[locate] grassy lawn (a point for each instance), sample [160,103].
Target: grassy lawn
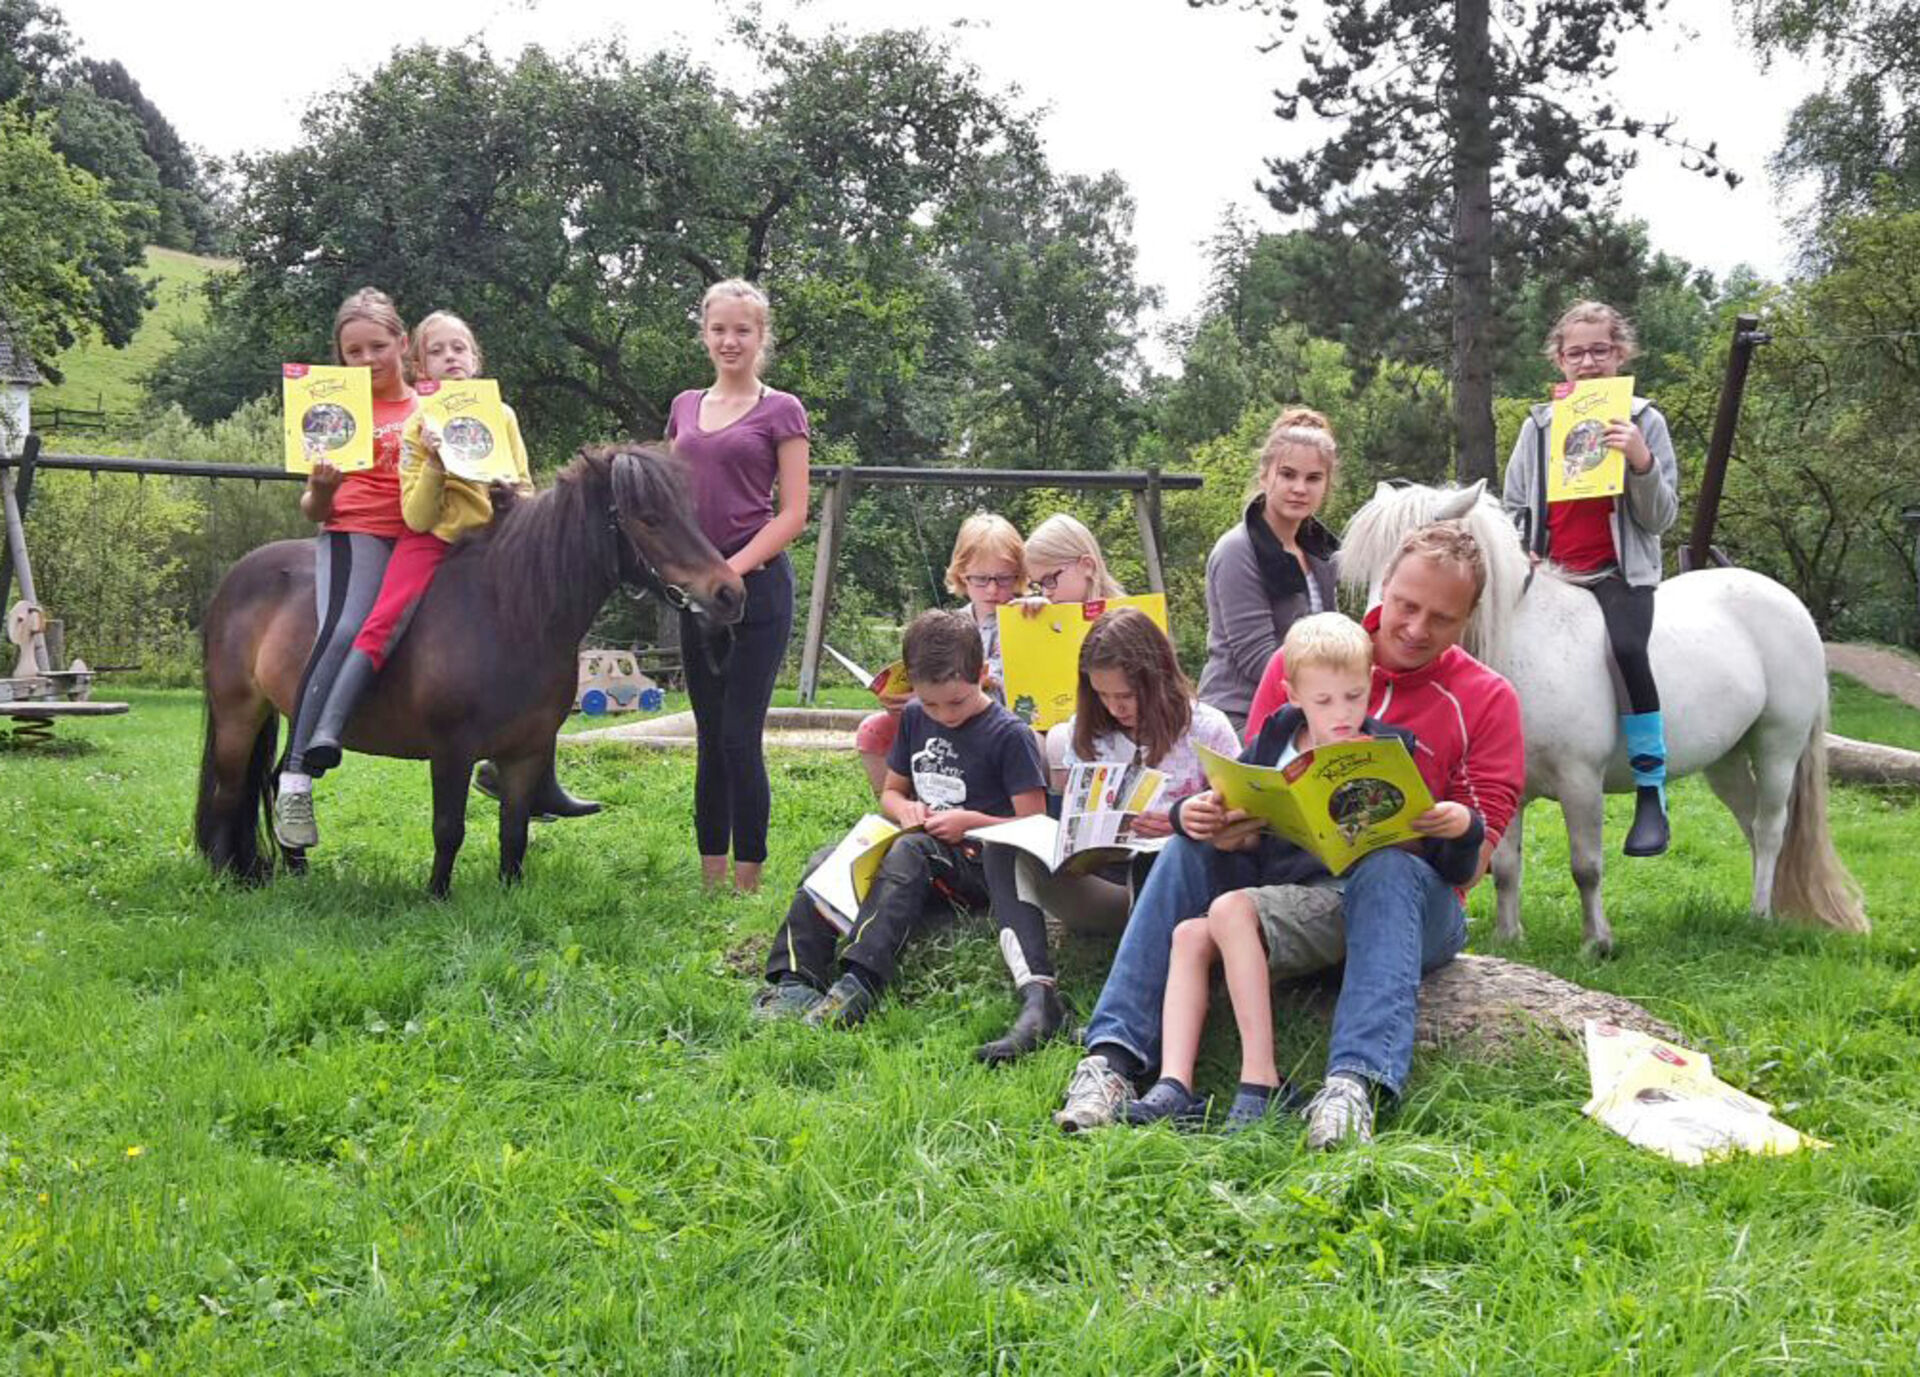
[1860,712]
[98,376]
[326,1126]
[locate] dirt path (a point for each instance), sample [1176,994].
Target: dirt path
[1883,671]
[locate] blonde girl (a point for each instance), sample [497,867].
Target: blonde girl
[1064,563]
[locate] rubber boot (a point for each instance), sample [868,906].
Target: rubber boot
[1647,754]
[1041,1016]
[551,800]
[350,685]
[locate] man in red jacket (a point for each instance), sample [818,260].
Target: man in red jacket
[1401,920]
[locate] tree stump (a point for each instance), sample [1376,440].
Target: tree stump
[1488,1005]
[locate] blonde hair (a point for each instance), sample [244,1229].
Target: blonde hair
[739,289]
[1619,329]
[1445,542]
[417,356]
[1327,640]
[1062,539]
[984,536]
[1298,427]
[369,304]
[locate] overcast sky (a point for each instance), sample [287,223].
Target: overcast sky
[1178,101]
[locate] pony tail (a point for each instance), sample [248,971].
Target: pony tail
[1810,881]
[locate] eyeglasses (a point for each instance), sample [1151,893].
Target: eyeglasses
[1597,353]
[985,581]
[1046,583]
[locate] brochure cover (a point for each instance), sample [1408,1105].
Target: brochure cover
[1041,654]
[328,414]
[1340,801]
[472,425]
[1579,464]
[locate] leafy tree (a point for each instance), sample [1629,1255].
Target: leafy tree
[182,199]
[1461,141]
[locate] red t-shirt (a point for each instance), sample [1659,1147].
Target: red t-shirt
[368,502]
[1580,534]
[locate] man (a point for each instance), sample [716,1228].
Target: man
[1398,919]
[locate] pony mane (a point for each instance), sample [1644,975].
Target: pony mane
[1392,513]
[551,554]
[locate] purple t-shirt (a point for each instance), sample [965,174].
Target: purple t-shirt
[733,468]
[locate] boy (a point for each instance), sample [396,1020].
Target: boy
[960,761]
[1288,918]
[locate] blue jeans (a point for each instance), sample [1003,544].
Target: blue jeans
[1402,921]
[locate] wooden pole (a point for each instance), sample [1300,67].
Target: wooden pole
[833,516]
[1699,553]
[1146,513]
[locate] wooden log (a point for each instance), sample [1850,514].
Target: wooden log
[1868,762]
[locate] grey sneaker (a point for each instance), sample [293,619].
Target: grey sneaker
[846,1002]
[293,824]
[1343,1109]
[784,999]
[1097,1095]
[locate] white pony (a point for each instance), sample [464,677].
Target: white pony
[1742,682]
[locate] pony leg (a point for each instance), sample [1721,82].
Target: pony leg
[1732,780]
[450,776]
[520,779]
[1772,792]
[236,781]
[1509,862]
[1583,806]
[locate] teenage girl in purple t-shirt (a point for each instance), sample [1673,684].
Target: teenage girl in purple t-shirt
[739,438]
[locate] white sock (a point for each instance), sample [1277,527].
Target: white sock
[290,783]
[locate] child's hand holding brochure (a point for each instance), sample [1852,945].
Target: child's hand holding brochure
[1339,802]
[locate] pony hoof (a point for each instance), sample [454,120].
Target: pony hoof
[1598,949]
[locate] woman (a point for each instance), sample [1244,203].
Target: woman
[1276,565]
[740,439]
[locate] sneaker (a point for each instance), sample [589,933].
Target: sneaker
[1260,1104]
[1170,1101]
[1096,1096]
[783,999]
[846,1002]
[293,824]
[1343,1109]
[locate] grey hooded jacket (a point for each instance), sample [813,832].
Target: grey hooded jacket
[1640,514]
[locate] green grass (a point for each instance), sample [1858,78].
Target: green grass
[1866,715]
[95,375]
[327,1126]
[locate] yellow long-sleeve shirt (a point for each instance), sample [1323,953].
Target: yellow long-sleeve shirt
[431,499]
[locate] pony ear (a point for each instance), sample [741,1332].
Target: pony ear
[1382,491]
[1454,505]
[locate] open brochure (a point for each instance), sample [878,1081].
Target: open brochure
[1339,802]
[327,414]
[1040,654]
[839,884]
[472,424]
[1666,1098]
[892,679]
[1579,464]
[1102,802]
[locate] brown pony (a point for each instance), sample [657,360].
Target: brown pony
[487,668]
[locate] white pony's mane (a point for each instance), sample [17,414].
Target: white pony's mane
[1378,528]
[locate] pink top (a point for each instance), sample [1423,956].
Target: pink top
[733,468]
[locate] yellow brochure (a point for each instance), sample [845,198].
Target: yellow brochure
[840,883]
[1579,464]
[328,414]
[892,679]
[472,425]
[1339,802]
[1041,655]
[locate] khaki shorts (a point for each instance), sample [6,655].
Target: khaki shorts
[1304,928]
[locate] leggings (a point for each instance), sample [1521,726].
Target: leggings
[1628,612]
[918,870]
[731,797]
[347,570]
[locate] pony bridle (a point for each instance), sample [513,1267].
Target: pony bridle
[648,579]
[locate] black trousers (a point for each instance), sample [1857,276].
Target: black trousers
[911,894]
[731,797]
[1628,612]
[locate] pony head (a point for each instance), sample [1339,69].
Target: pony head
[1395,510]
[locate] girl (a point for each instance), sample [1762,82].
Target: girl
[1609,544]
[359,516]
[1276,565]
[739,439]
[1134,704]
[987,568]
[1064,564]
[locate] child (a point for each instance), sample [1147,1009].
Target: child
[360,520]
[986,569]
[1289,922]
[1064,564]
[960,761]
[1134,705]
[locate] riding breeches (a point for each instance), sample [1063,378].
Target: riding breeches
[347,571]
[416,556]
[1628,612]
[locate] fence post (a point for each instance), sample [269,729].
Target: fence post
[22,495]
[1698,553]
[833,515]
[1146,514]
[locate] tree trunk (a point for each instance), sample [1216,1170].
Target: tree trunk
[1472,279]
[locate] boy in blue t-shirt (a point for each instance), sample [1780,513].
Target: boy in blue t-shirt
[960,762]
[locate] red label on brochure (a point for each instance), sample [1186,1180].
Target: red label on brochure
[1092,610]
[293,370]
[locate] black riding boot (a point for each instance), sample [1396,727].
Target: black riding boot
[1648,835]
[350,685]
[550,800]
[1041,1016]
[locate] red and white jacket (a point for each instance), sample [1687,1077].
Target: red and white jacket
[1465,719]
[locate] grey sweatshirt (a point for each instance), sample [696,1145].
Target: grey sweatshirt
[1640,514]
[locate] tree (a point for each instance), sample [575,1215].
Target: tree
[183,203]
[1461,141]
